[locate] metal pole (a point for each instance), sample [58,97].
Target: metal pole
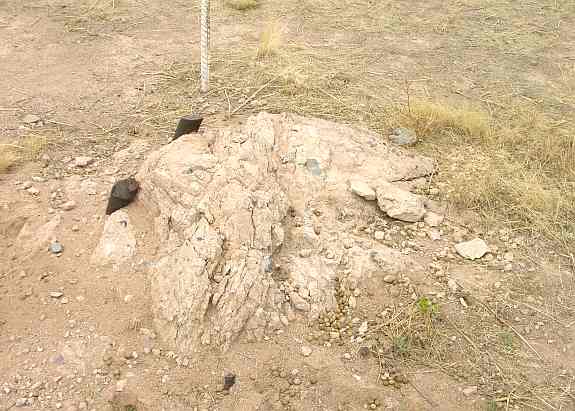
[205,46]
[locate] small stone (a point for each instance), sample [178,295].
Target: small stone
[363,328]
[31,119]
[69,205]
[472,250]
[399,204]
[83,161]
[403,136]
[121,385]
[56,247]
[362,189]
[390,279]
[33,191]
[434,235]
[347,356]
[26,185]
[306,351]
[432,219]
[75,228]
[469,390]
[56,294]
[508,256]
[379,235]
[21,402]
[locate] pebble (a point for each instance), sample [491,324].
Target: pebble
[390,279]
[69,205]
[432,219]
[83,161]
[33,191]
[362,189]
[31,119]
[26,185]
[472,250]
[21,402]
[56,294]
[403,136]
[56,247]
[379,235]
[306,351]
[347,356]
[470,390]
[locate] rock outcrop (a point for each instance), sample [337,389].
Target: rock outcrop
[255,224]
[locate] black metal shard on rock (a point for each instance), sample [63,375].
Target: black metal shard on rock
[123,193]
[188,124]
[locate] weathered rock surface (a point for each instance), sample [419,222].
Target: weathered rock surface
[399,204]
[472,250]
[362,189]
[36,234]
[254,225]
[117,243]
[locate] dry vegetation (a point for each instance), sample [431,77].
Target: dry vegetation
[242,4]
[28,148]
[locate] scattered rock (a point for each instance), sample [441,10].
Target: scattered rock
[56,247]
[362,189]
[434,235]
[472,250]
[306,351]
[390,279]
[26,185]
[470,390]
[31,119]
[69,205]
[399,204]
[56,294]
[83,161]
[403,136]
[432,219]
[379,235]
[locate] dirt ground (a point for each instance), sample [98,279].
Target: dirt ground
[104,75]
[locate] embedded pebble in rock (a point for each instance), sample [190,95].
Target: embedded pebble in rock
[403,136]
[362,189]
[472,250]
[432,219]
[56,247]
[83,161]
[69,205]
[33,191]
[306,351]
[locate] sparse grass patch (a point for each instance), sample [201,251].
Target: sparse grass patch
[428,119]
[7,159]
[27,149]
[242,4]
[270,40]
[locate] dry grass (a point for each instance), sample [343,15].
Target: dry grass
[514,167]
[270,40]
[27,149]
[242,4]
[428,118]
[7,160]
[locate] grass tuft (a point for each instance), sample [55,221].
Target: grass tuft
[242,4]
[270,41]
